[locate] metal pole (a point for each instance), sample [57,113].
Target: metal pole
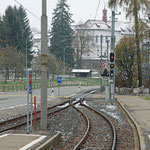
[149,71]
[27,87]
[35,113]
[101,60]
[107,58]
[44,52]
[31,114]
[27,76]
[64,62]
[26,56]
[58,89]
[107,49]
[112,50]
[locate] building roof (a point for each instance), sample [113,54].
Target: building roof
[81,70]
[122,26]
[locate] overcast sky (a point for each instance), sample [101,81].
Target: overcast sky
[81,9]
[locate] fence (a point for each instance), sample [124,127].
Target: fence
[20,87]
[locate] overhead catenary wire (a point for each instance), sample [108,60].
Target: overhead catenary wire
[97,9]
[27,10]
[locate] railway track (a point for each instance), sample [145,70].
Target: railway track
[20,121]
[95,131]
[100,132]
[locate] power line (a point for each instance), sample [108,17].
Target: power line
[28,10]
[97,9]
[105,2]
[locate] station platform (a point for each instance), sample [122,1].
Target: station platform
[21,141]
[139,111]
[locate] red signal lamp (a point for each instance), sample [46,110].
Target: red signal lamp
[112,57]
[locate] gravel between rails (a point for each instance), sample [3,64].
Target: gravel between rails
[69,122]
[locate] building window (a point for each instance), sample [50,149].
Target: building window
[96,39]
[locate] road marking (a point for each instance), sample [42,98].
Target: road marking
[72,95]
[3,96]
[3,135]
[13,106]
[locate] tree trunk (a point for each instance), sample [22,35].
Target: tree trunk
[6,75]
[138,52]
[53,76]
[15,76]
[22,73]
[130,80]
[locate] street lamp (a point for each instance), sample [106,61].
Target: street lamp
[64,59]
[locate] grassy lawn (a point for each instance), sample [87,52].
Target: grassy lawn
[69,81]
[145,97]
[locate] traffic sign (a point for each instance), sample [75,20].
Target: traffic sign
[30,82]
[59,79]
[105,72]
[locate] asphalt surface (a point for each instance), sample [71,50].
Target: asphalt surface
[13,99]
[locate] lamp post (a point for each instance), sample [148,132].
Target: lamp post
[64,58]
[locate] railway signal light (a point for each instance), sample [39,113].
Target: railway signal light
[111,66]
[112,58]
[111,73]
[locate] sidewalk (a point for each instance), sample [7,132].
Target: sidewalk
[140,111]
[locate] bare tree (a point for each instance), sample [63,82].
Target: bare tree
[10,59]
[81,43]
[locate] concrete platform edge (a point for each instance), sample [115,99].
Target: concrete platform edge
[138,128]
[48,145]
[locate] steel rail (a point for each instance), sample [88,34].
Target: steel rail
[24,116]
[109,122]
[38,117]
[80,96]
[86,132]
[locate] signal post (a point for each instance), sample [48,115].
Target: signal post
[112,60]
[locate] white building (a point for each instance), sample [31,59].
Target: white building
[100,33]
[37,43]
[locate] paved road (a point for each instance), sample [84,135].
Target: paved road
[12,99]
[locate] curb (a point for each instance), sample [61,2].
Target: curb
[51,143]
[137,127]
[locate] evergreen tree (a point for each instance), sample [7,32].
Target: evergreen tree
[0,32]
[16,30]
[11,28]
[61,33]
[26,33]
